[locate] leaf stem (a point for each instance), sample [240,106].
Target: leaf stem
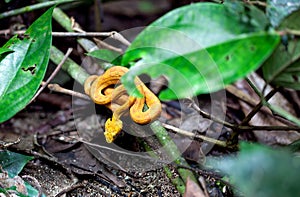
[192,135]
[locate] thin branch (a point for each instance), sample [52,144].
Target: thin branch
[241,95]
[69,189]
[53,74]
[260,3]
[58,88]
[256,90]
[102,44]
[293,32]
[209,116]
[244,127]
[267,128]
[32,8]
[113,34]
[118,151]
[192,135]
[257,107]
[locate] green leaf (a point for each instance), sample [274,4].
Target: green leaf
[283,66]
[291,21]
[283,113]
[22,71]
[106,55]
[277,10]
[261,171]
[32,192]
[199,48]
[248,13]
[12,162]
[5,50]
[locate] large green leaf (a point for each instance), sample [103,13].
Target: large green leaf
[261,171]
[277,10]
[283,66]
[199,48]
[22,71]
[13,163]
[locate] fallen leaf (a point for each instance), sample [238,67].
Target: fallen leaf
[193,189]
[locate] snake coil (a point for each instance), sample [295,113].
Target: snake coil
[107,90]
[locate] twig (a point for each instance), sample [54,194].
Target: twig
[4,144]
[53,74]
[241,95]
[58,88]
[209,116]
[68,189]
[293,31]
[267,128]
[113,34]
[256,90]
[243,127]
[32,7]
[256,3]
[192,135]
[258,106]
[172,150]
[73,69]
[102,44]
[117,151]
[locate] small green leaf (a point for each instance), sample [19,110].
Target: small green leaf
[22,71]
[5,50]
[261,171]
[12,162]
[106,55]
[199,48]
[283,113]
[32,192]
[277,10]
[283,67]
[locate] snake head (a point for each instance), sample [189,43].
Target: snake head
[113,127]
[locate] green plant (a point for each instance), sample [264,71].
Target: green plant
[12,163]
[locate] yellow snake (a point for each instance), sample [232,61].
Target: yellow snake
[107,90]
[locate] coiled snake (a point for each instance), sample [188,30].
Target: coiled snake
[107,90]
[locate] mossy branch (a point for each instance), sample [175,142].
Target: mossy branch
[32,8]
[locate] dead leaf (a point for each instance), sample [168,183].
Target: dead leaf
[265,119]
[193,189]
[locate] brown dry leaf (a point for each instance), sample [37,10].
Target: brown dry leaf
[262,118]
[193,189]
[192,150]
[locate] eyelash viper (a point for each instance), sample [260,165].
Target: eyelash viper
[107,90]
